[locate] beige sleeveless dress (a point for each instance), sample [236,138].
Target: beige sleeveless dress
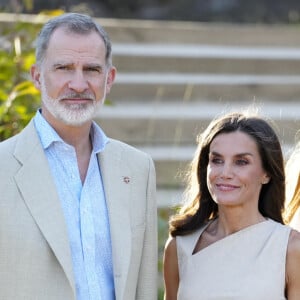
[246,265]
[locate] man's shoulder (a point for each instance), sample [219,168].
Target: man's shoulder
[9,143]
[21,141]
[129,149]
[134,157]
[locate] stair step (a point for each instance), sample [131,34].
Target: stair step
[180,123]
[197,58]
[210,65]
[196,110]
[185,32]
[148,31]
[206,79]
[205,51]
[229,87]
[169,197]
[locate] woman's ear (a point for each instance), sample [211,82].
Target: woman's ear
[266,179]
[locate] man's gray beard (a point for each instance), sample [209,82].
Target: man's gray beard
[71,114]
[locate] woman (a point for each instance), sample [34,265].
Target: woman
[228,241]
[292,213]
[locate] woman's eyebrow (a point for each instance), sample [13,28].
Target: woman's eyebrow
[215,153]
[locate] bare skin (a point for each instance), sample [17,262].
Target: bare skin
[170,270]
[293,267]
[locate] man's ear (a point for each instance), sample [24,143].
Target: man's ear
[111,75]
[36,76]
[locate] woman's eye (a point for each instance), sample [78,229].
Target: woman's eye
[241,162]
[216,160]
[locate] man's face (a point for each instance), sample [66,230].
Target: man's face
[73,78]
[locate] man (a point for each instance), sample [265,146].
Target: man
[77,209]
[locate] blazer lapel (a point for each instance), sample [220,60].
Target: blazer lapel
[39,192]
[116,182]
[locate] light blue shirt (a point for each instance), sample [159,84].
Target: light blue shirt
[85,211]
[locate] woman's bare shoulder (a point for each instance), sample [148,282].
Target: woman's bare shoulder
[294,242]
[170,245]
[293,265]
[293,255]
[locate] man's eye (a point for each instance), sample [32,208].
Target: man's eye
[95,69]
[61,68]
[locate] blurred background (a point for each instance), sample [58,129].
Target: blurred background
[180,64]
[234,11]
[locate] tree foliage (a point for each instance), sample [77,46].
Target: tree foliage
[18,97]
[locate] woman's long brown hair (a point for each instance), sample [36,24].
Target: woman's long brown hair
[200,207]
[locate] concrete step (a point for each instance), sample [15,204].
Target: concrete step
[206,51]
[215,87]
[169,197]
[171,163]
[132,64]
[146,31]
[153,31]
[179,123]
[195,58]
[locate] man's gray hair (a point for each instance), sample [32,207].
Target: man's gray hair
[74,23]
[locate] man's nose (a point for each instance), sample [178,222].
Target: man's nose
[78,82]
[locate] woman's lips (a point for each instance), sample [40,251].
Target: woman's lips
[226,187]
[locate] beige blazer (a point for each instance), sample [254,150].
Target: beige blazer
[35,261]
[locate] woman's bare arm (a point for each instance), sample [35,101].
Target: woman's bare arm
[293,266]
[171,273]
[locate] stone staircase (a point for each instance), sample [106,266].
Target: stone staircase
[174,77]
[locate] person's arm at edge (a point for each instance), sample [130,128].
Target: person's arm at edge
[293,267]
[171,272]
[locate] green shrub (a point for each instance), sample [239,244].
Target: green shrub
[19,99]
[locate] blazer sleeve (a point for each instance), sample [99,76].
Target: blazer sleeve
[147,282]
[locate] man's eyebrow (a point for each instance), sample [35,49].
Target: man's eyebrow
[58,64]
[93,65]
[71,64]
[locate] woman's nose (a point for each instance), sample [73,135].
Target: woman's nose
[226,171]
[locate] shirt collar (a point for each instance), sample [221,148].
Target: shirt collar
[48,135]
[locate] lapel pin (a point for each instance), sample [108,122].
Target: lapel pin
[126,179]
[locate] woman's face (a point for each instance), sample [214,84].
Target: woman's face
[234,172]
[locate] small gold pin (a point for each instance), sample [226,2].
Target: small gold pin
[126,179]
